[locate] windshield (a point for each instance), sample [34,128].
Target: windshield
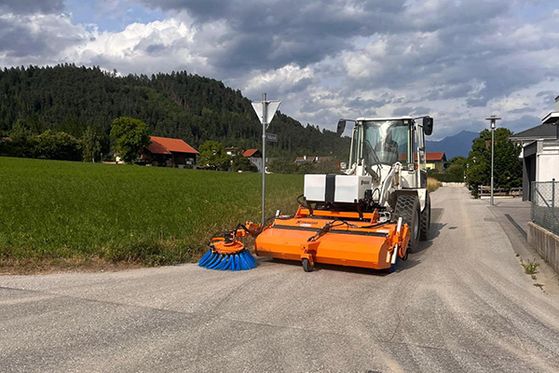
[386,142]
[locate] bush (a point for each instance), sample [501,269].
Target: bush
[57,145]
[48,145]
[447,178]
[213,156]
[240,163]
[283,166]
[286,166]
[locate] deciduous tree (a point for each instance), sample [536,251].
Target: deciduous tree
[129,136]
[91,145]
[508,167]
[212,155]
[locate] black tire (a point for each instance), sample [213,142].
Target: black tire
[426,219]
[307,267]
[407,207]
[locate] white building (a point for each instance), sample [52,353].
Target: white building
[540,151]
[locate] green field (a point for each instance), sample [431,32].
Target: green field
[54,210]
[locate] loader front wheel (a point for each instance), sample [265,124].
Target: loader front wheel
[426,219]
[407,207]
[307,266]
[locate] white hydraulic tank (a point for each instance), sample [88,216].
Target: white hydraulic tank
[336,188]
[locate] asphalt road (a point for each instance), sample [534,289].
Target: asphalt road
[462,303]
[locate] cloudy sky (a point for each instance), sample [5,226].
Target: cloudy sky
[456,60]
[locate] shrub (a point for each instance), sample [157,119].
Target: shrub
[213,156]
[240,163]
[57,145]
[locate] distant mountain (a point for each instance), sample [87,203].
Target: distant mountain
[455,145]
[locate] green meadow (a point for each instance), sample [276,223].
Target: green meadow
[56,210]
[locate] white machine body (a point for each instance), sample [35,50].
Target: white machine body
[336,188]
[368,170]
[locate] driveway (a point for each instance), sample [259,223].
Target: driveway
[463,303]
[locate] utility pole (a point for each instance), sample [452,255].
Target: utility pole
[493,122]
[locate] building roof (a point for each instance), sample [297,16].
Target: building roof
[168,145]
[251,153]
[543,131]
[435,156]
[552,117]
[429,156]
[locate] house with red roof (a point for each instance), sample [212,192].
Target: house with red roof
[435,161]
[255,157]
[252,153]
[171,152]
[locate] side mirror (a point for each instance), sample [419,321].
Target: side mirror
[341,127]
[428,125]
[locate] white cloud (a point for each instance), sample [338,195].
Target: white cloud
[143,48]
[37,38]
[366,62]
[281,81]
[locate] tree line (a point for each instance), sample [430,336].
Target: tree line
[82,102]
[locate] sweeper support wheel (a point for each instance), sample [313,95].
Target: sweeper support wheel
[307,266]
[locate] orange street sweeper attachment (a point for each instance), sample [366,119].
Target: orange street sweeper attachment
[335,237]
[370,215]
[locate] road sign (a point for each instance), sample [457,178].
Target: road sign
[271,137]
[265,110]
[269,106]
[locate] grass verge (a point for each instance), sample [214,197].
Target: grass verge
[71,214]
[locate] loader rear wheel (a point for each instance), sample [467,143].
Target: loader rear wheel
[307,266]
[407,207]
[426,219]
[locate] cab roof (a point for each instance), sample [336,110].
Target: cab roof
[384,118]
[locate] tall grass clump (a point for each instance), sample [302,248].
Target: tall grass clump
[432,184]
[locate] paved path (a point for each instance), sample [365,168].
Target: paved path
[461,304]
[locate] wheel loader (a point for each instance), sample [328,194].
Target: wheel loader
[371,215]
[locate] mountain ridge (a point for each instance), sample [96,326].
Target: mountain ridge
[455,145]
[194,108]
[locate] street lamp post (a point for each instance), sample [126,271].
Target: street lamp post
[493,121]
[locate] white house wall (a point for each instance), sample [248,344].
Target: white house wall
[547,167]
[257,162]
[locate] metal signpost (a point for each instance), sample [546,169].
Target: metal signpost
[493,120]
[265,110]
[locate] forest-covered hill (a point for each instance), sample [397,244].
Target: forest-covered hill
[70,99]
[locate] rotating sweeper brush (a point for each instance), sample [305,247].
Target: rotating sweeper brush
[228,253]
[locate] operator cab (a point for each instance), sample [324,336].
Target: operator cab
[383,141]
[377,144]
